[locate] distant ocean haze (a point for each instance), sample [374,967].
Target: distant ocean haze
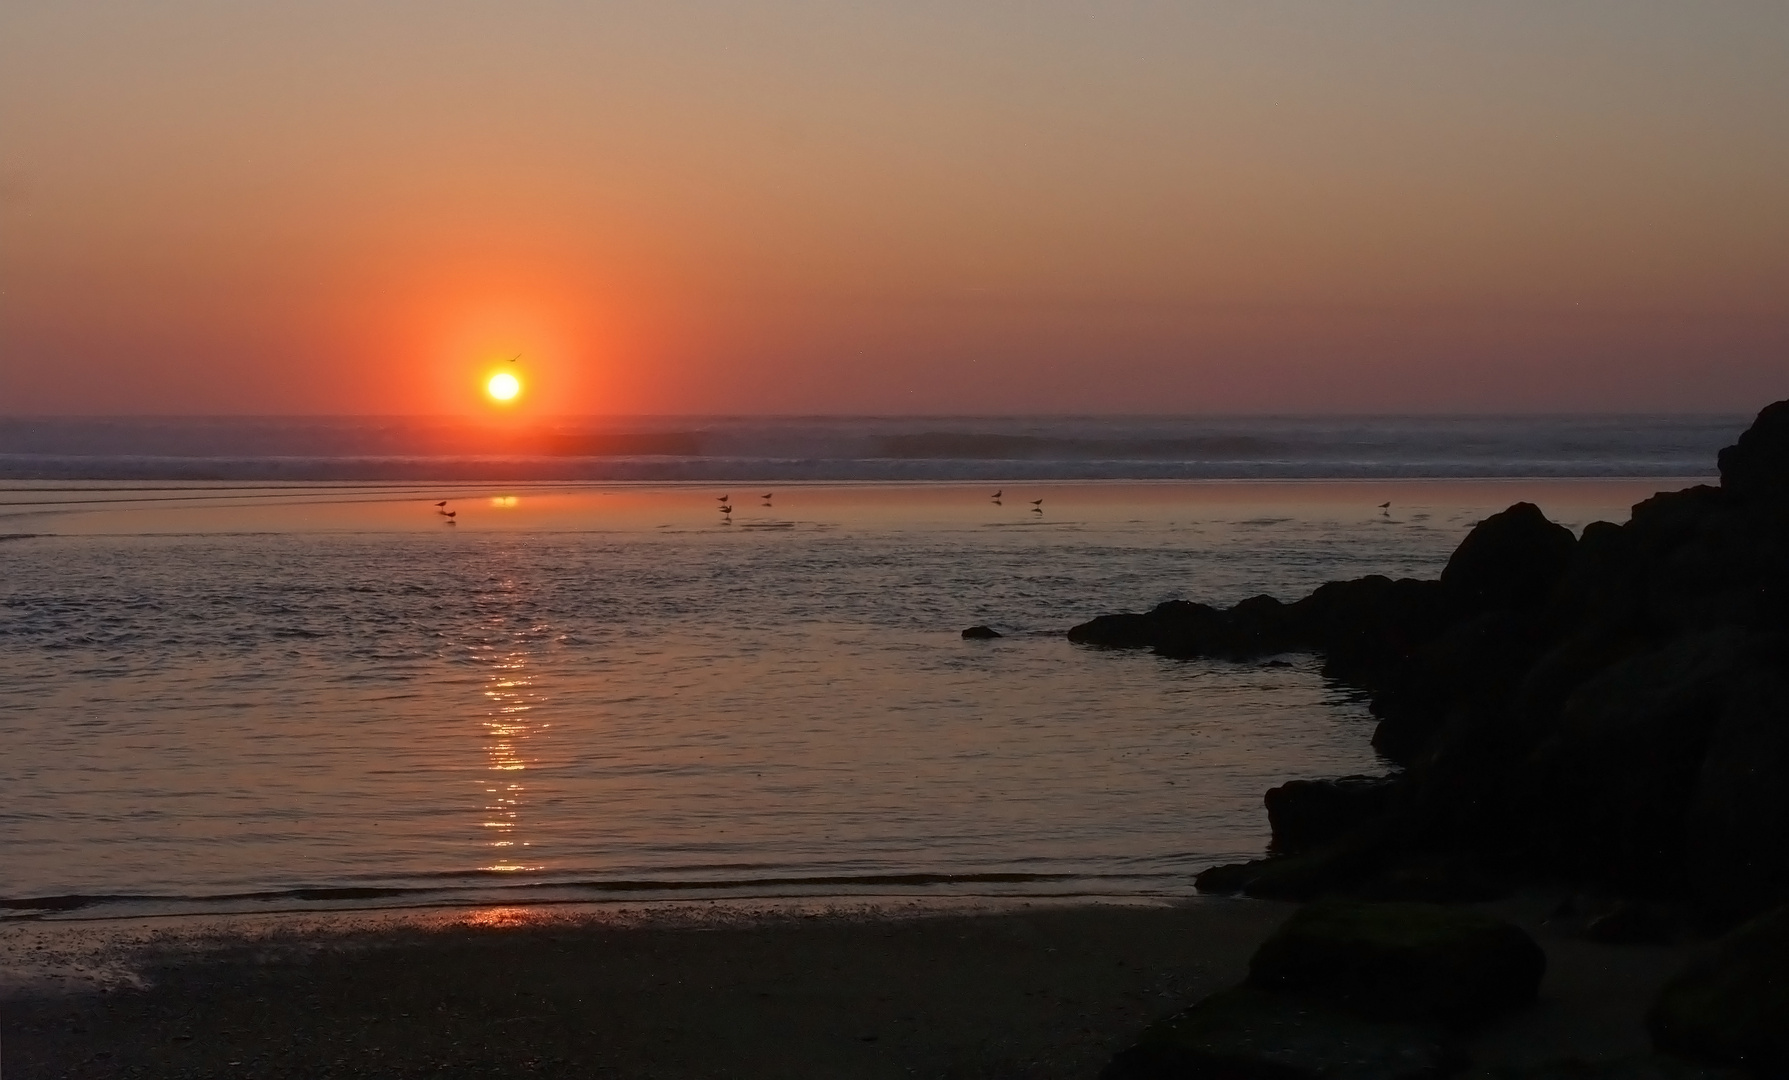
[861,448]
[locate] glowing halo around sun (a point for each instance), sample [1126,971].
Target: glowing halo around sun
[503,386]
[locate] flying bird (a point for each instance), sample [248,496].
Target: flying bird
[514,358]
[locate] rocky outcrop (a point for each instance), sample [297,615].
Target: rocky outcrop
[1307,814]
[981,633]
[1610,709]
[1731,1006]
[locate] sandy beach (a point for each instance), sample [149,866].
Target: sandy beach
[1027,992]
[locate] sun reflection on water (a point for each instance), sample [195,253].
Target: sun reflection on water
[508,729]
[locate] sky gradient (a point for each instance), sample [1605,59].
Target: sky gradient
[794,206]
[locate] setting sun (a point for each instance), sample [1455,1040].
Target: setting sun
[503,386]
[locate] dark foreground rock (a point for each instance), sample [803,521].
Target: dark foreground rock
[1609,711]
[1402,961]
[982,633]
[1732,1006]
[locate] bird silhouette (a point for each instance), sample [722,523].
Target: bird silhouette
[726,509]
[766,496]
[449,513]
[999,493]
[1385,506]
[720,498]
[443,502]
[1037,502]
[514,358]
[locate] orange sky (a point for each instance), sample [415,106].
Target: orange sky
[826,207]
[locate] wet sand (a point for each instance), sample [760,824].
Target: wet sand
[1040,992]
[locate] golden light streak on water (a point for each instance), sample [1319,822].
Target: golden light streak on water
[511,697]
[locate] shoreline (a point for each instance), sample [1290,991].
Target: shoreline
[706,990]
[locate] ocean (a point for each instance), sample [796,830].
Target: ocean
[249,665]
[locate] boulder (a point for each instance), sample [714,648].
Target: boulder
[1477,661]
[1737,827]
[1244,1034]
[1368,627]
[1606,793]
[1731,1005]
[1129,630]
[981,633]
[1401,961]
[1758,464]
[1307,814]
[1512,559]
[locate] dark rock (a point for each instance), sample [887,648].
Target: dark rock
[1243,1034]
[1731,1006]
[1477,660]
[1511,559]
[1606,794]
[1133,631]
[1258,626]
[1401,961]
[1306,814]
[1737,825]
[1758,464]
[1368,627]
[1610,712]
[982,633]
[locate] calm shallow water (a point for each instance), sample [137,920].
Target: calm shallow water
[233,698]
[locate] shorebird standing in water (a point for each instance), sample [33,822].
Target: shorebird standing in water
[1385,508]
[1037,502]
[999,493]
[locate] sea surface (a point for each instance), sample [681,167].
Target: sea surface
[230,695]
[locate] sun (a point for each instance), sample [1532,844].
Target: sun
[503,386]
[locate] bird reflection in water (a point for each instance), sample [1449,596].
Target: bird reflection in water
[507,731]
